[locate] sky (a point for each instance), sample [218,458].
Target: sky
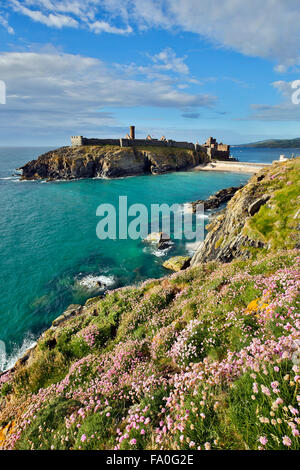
[186,69]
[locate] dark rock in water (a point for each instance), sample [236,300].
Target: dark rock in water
[164,245]
[69,163]
[217,199]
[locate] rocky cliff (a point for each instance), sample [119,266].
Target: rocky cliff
[262,215]
[109,162]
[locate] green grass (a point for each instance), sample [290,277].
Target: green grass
[136,331]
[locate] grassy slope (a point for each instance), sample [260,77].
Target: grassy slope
[276,223]
[166,151]
[203,358]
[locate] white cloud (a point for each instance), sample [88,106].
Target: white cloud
[167,60]
[5,24]
[268,29]
[164,65]
[104,27]
[78,94]
[51,19]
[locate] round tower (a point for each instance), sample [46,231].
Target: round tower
[132,132]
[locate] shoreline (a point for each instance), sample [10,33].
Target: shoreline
[233,167]
[23,352]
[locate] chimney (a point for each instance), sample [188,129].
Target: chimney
[132,132]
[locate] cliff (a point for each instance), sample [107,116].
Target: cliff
[207,358]
[261,215]
[109,162]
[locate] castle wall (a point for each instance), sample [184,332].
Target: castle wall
[79,140]
[158,143]
[214,150]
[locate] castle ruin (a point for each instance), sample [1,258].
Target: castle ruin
[213,149]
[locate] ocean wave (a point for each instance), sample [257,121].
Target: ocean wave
[10,178]
[96,282]
[202,216]
[156,252]
[191,247]
[17,352]
[187,208]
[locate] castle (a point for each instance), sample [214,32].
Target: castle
[213,149]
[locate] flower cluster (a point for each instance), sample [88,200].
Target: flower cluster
[216,368]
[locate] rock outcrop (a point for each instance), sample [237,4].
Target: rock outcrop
[234,232]
[69,163]
[177,263]
[216,200]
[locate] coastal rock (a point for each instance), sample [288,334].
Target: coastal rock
[107,161]
[177,263]
[228,236]
[157,237]
[71,311]
[216,200]
[27,356]
[161,239]
[256,205]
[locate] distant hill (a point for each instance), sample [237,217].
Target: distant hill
[274,143]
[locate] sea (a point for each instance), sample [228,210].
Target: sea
[51,256]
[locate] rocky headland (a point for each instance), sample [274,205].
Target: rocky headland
[234,232]
[109,161]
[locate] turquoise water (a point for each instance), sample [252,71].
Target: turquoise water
[49,245]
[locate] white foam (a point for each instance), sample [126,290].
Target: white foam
[202,216]
[192,247]
[160,253]
[153,250]
[92,282]
[10,178]
[18,351]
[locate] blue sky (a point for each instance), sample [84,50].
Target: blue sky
[187,69]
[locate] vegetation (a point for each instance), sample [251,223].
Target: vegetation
[276,222]
[207,358]
[275,143]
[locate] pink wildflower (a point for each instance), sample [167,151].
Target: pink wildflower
[263,440]
[287,441]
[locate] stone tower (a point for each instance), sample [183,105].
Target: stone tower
[132,132]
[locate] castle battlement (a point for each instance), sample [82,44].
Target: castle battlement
[214,150]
